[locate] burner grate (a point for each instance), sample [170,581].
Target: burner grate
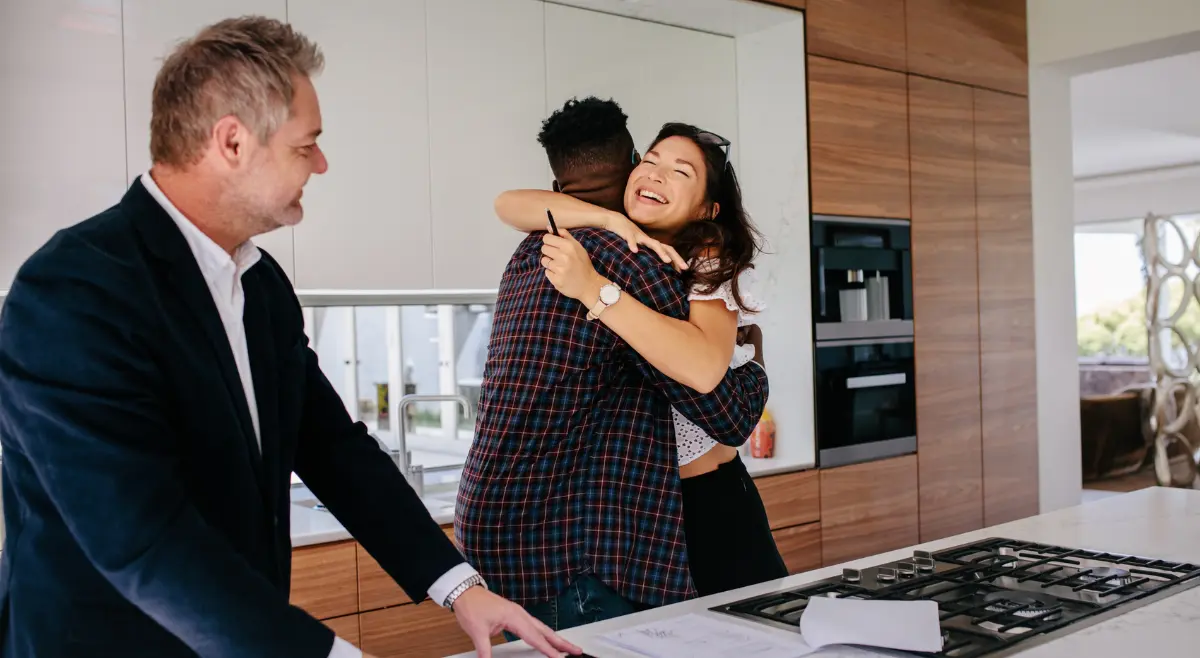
[991,594]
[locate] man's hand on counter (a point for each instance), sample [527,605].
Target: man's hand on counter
[483,615]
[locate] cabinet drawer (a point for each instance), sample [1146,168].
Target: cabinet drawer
[345,628]
[376,589]
[800,547]
[792,498]
[414,631]
[324,579]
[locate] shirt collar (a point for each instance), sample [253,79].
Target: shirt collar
[212,259]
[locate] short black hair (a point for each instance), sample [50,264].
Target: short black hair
[586,135]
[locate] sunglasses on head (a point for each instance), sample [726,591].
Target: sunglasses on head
[713,139]
[706,138]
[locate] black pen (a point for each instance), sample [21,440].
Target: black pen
[553,226]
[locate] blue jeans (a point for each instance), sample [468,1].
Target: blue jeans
[586,600]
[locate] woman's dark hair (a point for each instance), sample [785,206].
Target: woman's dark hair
[727,244]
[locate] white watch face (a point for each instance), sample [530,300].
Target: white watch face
[610,294]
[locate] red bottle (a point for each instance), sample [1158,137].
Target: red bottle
[762,440]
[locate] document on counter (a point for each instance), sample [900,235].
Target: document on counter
[697,636]
[904,625]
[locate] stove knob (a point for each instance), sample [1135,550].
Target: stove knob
[924,564]
[851,575]
[885,575]
[906,569]
[923,554]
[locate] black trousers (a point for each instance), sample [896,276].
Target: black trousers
[729,542]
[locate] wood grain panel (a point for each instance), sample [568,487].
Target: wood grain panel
[800,547]
[858,139]
[345,628]
[862,31]
[977,42]
[945,307]
[414,631]
[792,498]
[325,579]
[868,508]
[1006,307]
[791,4]
[376,589]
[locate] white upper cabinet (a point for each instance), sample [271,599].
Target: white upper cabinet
[366,222]
[655,72]
[152,30]
[487,98]
[61,120]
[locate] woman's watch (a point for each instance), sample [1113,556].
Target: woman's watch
[473,581]
[610,294]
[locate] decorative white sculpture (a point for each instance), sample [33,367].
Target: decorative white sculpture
[1176,459]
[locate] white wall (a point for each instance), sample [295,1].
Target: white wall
[1092,34]
[774,178]
[1071,37]
[1059,447]
[1168,191]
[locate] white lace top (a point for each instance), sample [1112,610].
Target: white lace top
[693,441]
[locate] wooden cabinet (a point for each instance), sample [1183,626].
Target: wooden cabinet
[345,628]
[791,4]
[977,42]
[324,579]
[152,28]
[366,223]
[800,547]
[861,31]
[487,98]
[791,499]
[1006,308]
[858,140]
[868,508]
[376,589]
[63,121]
[413,631]
[945,307]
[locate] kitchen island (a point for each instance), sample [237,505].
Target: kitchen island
[1156,522]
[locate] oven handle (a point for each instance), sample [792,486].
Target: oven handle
[864,341]
[875,381]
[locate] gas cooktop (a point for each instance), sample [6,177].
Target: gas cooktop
[996,596]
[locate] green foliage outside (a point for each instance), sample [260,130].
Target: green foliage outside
[1120,330]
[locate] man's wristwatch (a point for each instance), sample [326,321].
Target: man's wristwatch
[610,294]
[473,581]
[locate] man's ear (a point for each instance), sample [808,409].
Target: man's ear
[554,186]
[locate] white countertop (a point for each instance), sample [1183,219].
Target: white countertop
[314,526]
[1156,522]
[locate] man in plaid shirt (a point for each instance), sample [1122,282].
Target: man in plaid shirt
[570,499]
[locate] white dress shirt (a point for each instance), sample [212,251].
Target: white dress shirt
[223,274]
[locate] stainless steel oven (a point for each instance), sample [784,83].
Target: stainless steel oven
[865,400]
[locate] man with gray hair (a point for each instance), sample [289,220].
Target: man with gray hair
[157,389]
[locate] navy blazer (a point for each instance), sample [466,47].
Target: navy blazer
[141,519]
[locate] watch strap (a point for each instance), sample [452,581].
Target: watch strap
[475,580]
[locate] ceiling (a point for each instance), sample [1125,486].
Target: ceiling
[1137,117]
[731,18]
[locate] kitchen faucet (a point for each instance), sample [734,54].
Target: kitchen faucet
[415,473]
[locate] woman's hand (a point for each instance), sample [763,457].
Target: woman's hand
[569,268]
[634,235]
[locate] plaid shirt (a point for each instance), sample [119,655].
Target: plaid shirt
[574,468]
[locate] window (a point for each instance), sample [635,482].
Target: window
[383,358]
[1111,288]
